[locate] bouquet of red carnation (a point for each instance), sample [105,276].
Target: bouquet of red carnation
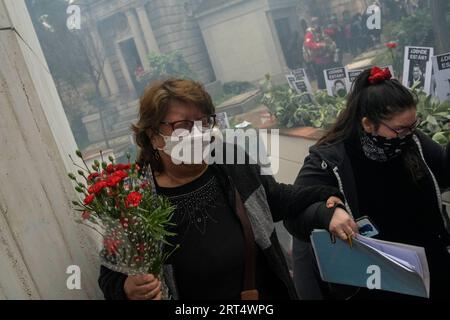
[119,202]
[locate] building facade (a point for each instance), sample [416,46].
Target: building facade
[123,33]
[220,40]
[247,39]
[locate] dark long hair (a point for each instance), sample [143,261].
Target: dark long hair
[377,102]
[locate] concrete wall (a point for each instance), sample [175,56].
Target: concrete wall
[38,236]
[291,154]
[242,42]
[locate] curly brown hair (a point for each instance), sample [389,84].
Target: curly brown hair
[153,109]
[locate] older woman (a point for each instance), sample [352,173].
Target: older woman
[224,214]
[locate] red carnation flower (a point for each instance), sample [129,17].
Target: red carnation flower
[391,45]
[110,168]
[116,177]
[133,199]
[113,181]
[98,187]
[92,176]
[121,174]
[89,199]
[122,166]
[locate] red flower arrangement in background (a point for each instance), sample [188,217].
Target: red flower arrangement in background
[391,45]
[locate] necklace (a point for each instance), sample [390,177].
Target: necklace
[192,207]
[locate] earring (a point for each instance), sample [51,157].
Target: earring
[156,154]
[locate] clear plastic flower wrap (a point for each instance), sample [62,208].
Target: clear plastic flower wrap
[120,204]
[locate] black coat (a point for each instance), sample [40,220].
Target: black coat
[330,165]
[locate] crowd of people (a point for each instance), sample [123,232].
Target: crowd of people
[325,39]
[324,47]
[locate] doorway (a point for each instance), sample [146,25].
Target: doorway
[132,60]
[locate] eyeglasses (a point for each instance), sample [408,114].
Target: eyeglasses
[405,130]
[208,122]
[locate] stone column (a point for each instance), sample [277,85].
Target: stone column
[149,36]
[108,73]
[140,44]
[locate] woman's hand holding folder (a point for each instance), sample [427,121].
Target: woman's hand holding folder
[342,224]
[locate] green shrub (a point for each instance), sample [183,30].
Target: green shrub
[291,110]
[170,64]
[435,116]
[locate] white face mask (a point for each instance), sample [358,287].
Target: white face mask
[189,147]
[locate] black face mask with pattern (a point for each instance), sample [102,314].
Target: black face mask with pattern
[383,149]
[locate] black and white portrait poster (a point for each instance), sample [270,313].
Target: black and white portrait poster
[300,75]
[336,81]
[302,88]
[441,67]
[352,75]
[418,67]
[291,80]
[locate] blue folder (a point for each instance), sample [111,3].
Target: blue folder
[372,263]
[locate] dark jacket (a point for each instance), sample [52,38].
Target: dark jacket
[266,202]
[330,165]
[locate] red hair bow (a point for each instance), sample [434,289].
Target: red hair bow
[377,75]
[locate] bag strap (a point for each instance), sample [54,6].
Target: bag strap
[250,292]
